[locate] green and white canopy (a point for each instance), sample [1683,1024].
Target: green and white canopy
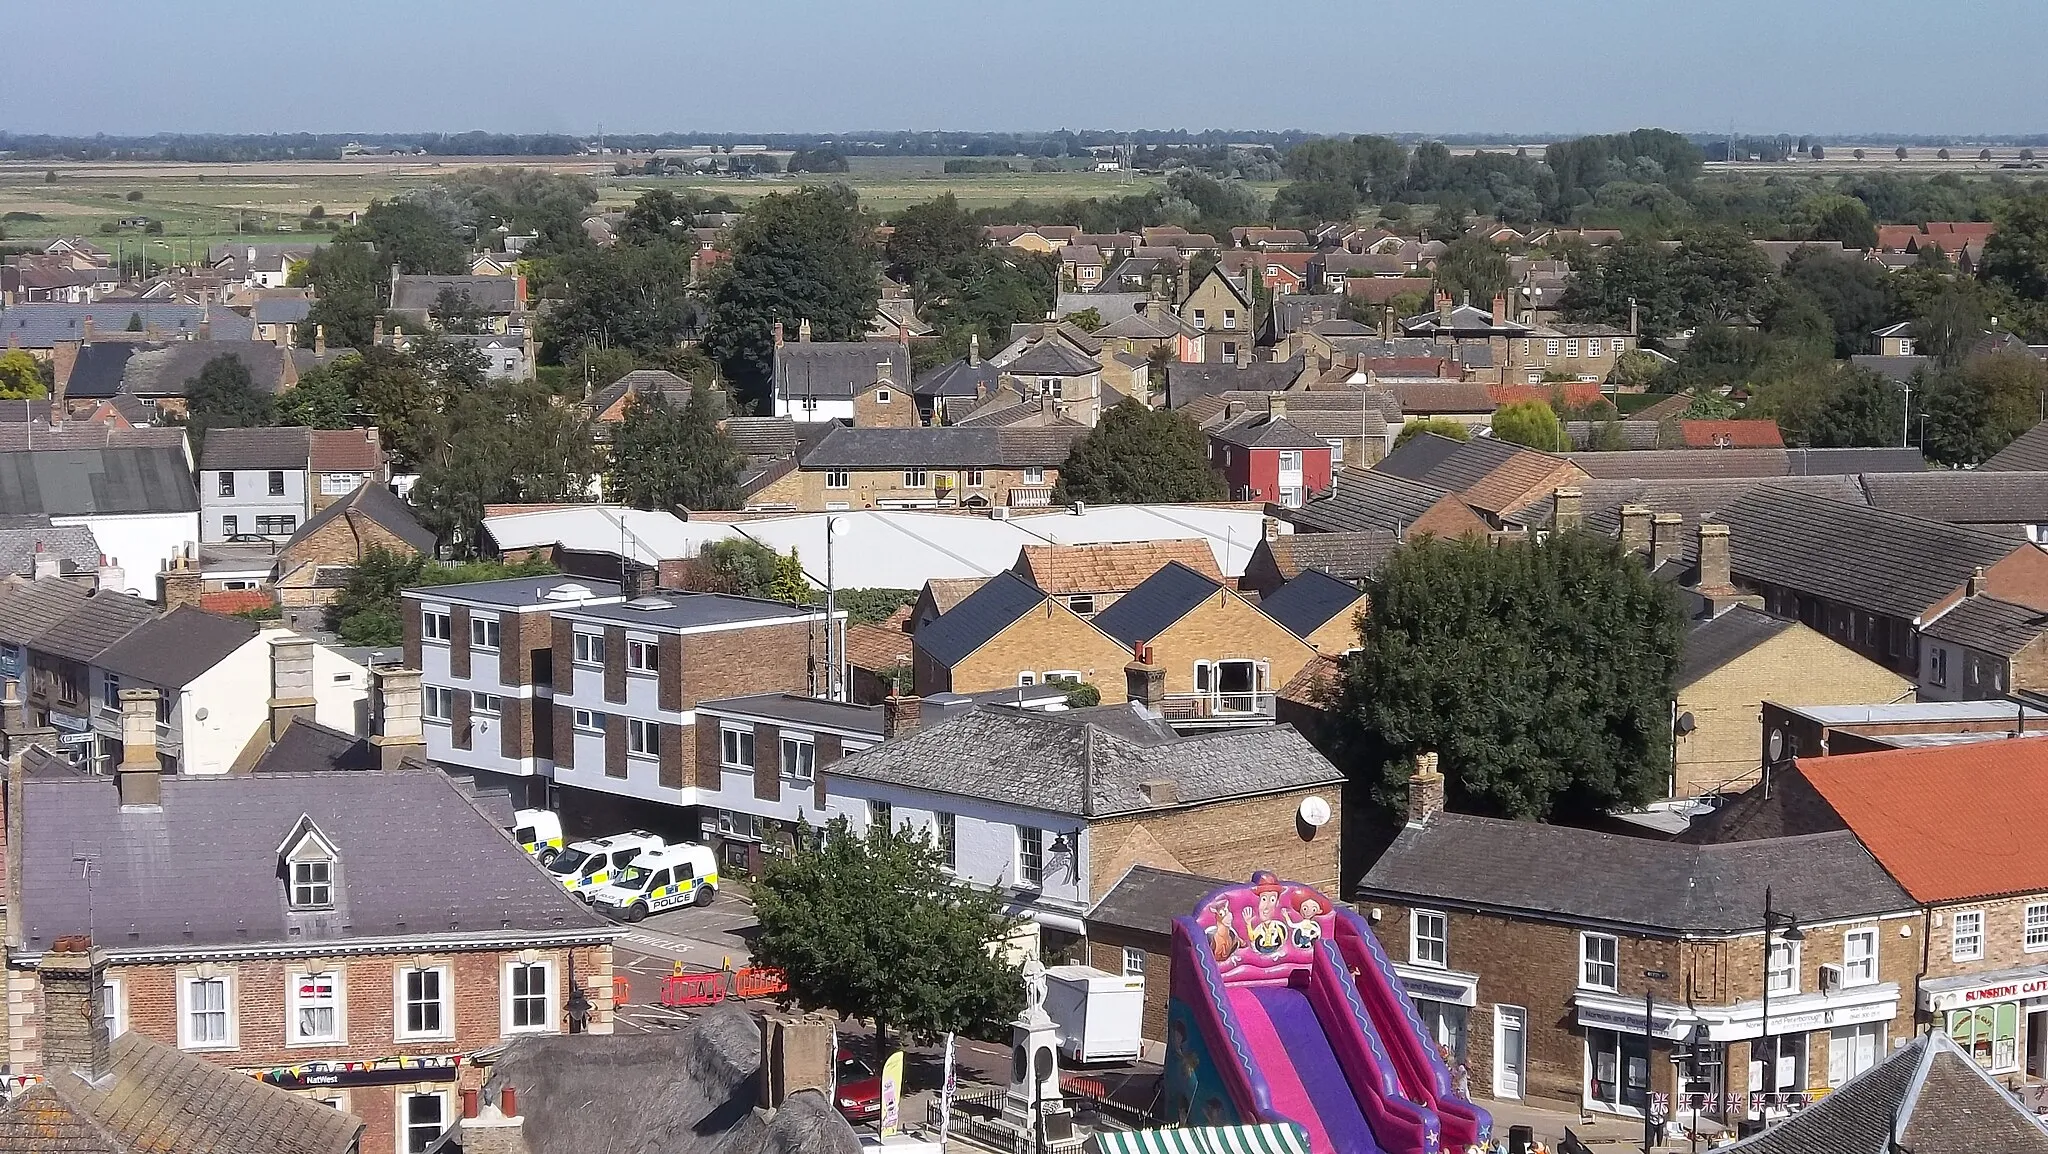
[1262,1138]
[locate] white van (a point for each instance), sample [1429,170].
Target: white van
[680,875]
[538,832]
[589,864]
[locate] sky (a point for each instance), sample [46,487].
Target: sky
[1528,66]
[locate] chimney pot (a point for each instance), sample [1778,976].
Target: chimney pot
[470,1102]
[508,1102]
[900,716]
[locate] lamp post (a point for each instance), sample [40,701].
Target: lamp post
[1649,1043]
[834,658]
[1773,918]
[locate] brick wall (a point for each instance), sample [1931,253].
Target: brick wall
[1226,840]
[615,664]
[708,774]
[410,611]
[899,413]
[805,488]
[677,746]
[458,641]
[767,659]
[768,762]
[563,637]
[1106,953]
[1224,628]
[1041,640]
[1339,634]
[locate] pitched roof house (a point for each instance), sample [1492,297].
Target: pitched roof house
[1009,633]
[1223,658]
[1091,577]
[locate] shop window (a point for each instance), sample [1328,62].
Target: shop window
[1853,1050]
[1786,1076]
[1618,1067]
[1989,1034]
[1445,1022]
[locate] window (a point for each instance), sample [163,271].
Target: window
[799,760]
[1290,461]
[423,1002]
[340,484]
[642,656]
[276,526]
[1026,677]
[1134,962]
[838,479]
[881,396]
[1229,350]
[1550,348]
[810,404]
[1989,1034]
[1906,347]
[1030,856]
[483,632]
[737,748]
[425,1117]
[1571,348]
[1052,387]
[1201,319]
[973,479]
[1853,1050]
[1034,476]
[1859,957]
[1290,496]
[315,1008]
[880,815]
[590,648]
[1082,603]
[434,624]
[917,479]
[1782,972]
[2037,927]
[1598,965]
[1428,938]
[1616,346]
[1336,450]
[110,690]
[588,720]
[1229,318]
[438,704]
[1619,1068]
[1937,664]
[277,482]
[1966,936]
[312,884]
[486,704]
[945,824]
[643,738]
[207,1021]
[527,1008]
[227,484]
[230,525]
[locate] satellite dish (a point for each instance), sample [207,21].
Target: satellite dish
[1315,811]
[1777,744]
[1685,723]
[199,714]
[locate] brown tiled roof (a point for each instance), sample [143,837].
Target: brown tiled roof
[1110,568]
[1316,684]
[346,451]
[1731,434]
[876,647]
[950,591]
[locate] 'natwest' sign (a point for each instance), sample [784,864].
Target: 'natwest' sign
[1996,992]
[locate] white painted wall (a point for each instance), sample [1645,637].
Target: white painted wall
[143,543]
[235,695]
[827,410]
[341,692]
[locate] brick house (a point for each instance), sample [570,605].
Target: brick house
[1320,609]
[1007,633]
[1983,647]
[1219,307]
[1496,478]
[311,568]
[1530,949]
[1266,456]
[1092,577]
[974,468]
[865,382]
[277,924]
[342,461]
[1224,659]
[1374,500]
[1585,351]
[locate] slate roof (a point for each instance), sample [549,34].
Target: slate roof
[1972,497]
[375,502]
[957,378]
[1112,566]
[1989,625]
[165,371]
[1352,556]
[287,310]
[28,609]
[1186,381]
[1711,644]
[103,482]
[1147,900]
[306,746]
[1490,473]
[762,436]
[2027,453]
[1441,396]
[1877,561]
[156,1099]
[17,438]
[975,621]
[1310,602]
[259,448]
[493,295]
[1053,358]
[41,325]
[1087,762]
[233,894]
[1892,368]
[1291,311]
[93,626]
[1678,464]
[1368,499]
[643,382]
[847,447]
[1160,600]
[841,369]
[1692,500]
[1585,876]
[73,546]
[172,651]
[1265,431]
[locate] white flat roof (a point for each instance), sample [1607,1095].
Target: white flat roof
[886,548]
[1910,711]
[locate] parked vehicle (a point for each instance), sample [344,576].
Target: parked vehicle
[860,1088]
[587,865]
[539,833]
[678,875]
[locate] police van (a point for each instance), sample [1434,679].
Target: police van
[681,875]
[586,865]
[538,832]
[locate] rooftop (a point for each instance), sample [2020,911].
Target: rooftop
[1354,556]
[89,482]
[1361,500]
[1155,604]
[1147,900]
[172,651]
[978,618]
[1310,602]
[1989,625]
[259,448]
[1111,566]
[519,592]
[688,611]
[848,447]
[1712,644]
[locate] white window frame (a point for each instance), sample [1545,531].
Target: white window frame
[1841,1050]
[114,1006]
[973,479]
[643,738]
[1082,603]
[1290,460]
[485,633]
[1937,665]
[642,656]
[1417,920]
[733,741]
[1026,677]
[1030,857]
[1336,450]
[838,479]
[403,1119]
[1571,347]
[881,396]
[1290,496]
[1782,979]
[1034,475]
[589,648]
[483,704]
[1550,348]
[1590,966]
[946,837]
[2034,927]
[295,1002]
[435,625]
[1957,936]
[587,721]
[917,478]
[187,1038]
[506,997]
[319,892]
[1616,346]
[1134,962]
[438,703]
[401,1003]
[1860,970]
[800,758]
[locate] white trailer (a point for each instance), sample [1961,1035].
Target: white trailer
[1100,1016]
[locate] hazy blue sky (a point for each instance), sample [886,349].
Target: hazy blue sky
[1932,66]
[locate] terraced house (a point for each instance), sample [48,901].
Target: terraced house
[920,468]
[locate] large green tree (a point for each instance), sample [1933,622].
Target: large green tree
[984,292]
[223,396]
[1719,276]
[667,458]
[368,611]
[350,289]
[1635,272]
[412,235]
[1540,671]
[635,297]
[1137,455]
[928,235]
[799,256]
[2016,256]
[1857,295]
[21,377]
[876,926]
[499,442]
[1475,268]
[1866,410]
[1531,423]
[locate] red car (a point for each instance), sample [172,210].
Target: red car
[860,1088]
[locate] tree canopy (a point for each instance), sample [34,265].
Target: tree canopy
[21,377]
[368,610]
[1531,423]
[1441,426]
[223,396]
[1139,455]
[667,458]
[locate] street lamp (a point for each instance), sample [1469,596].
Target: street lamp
[1773,919]
[1688,1053]
[1649,1044]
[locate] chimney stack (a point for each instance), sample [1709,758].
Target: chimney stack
[796,1054]
[139,776]
[1387,323]
[111,576]
[1244,354]
[1500,309]
[1425,790]
[803,331]
[1635,528]
[85,329]
[73,976]
[974,348]
[1571,509]
[1145,683]
[179,585]
[377,332]
[1974,587]
[492,1129]
[1276,407]
[1716,575]
[292,690]
[638,580]
[1664,533]
[778,334]
[47,565]
[319,340]
[395,714]
[900,716]
[1269,528]
[1443,308]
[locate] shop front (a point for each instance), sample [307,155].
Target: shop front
[2000,1019]
[1443,1000]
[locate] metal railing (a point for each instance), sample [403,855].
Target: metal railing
[1031,497]
[1220,708]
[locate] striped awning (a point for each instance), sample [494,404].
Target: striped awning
[1262,1138]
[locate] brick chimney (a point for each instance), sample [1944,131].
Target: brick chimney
[974,348]
[1665,529]
[638,580]
[900,716]
[1974,587]
[796,1054]
[85,329]
[291,682]
[1715,573]
[140,775]
[110,575]
[493,1128]
[1500,309]
[319,340]
[1269,528]
[1145,683]
[179,585]
[1443,308]
[1387,322]
[1571,509]
[73,976]
[45,565]
[1635,528]
[1276,407]
[1425,790]
[377,332]
[395,714]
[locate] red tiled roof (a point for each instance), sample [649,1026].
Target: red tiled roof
[233,601]
[1951,823]
[1574,392]
[346,451]
[1731,434]
[1897,237]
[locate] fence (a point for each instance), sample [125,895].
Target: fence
[715,986]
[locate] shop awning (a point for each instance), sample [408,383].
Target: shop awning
[1263,1138]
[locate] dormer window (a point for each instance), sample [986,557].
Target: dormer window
[312,884]
[311,865]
